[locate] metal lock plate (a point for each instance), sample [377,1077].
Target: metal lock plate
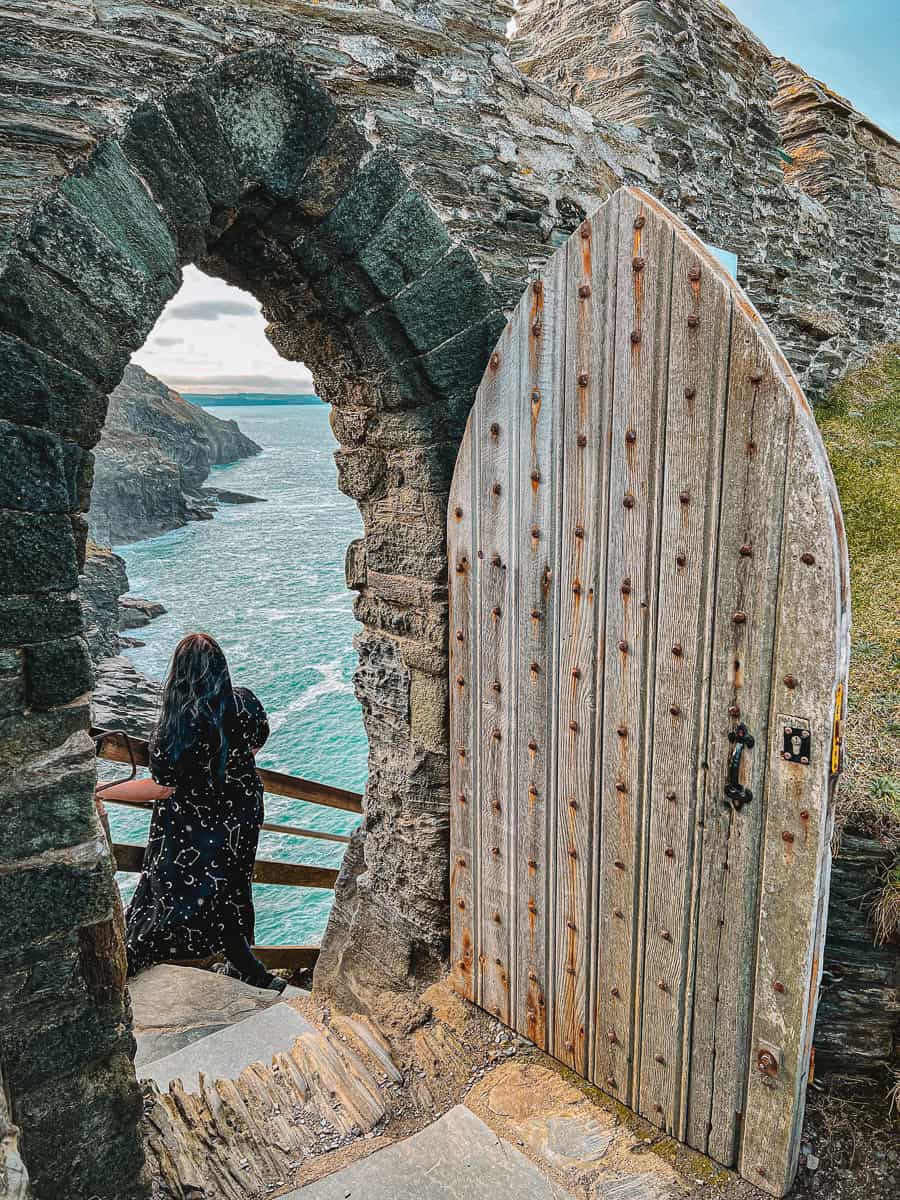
[797,741]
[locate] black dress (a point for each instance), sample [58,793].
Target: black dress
[194,895]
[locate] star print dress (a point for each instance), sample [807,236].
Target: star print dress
[194,895]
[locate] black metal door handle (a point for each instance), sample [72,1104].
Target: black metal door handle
[735,793]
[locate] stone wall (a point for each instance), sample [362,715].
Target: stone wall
[383,180]
[755,155]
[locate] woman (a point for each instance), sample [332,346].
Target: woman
[194,896]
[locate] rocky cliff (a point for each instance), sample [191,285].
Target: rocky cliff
[154,455]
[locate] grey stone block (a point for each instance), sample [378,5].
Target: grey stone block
[356,217]
[32,470]
[26,735]
[49,802]
[37,553]
[35,618]
[152,147]
[35,307]
[330,171]
[449,298]
[457,366]
[58,671]
[39,390]
[74,887]
[109,193]
[274,116]
[194,119]
[345,291]
[410,240]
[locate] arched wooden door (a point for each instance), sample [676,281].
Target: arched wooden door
[649,619]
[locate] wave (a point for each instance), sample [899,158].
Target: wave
[332,683]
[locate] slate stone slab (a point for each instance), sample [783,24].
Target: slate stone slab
[456,1158]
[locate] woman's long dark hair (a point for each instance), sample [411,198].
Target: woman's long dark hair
[198,706]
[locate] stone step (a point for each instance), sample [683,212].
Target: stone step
[174,1006]
[230,1050]
[456,1158]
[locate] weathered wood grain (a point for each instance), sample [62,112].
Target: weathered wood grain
[699,337]
[809,667]
[464,857]
[645,243]
[644,479]
[495,449]
[757,427]
[534,601]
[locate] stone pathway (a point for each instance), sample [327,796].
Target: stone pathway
[251,1095]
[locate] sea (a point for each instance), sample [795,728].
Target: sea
[267,580]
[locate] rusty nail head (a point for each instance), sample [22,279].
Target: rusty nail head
[680,560]
[496,489]
[460,636]
[694,274]
[495,734]
[495,805]
[635,336]
[460,680]
[808,559]
[675,709]
[746,550]
[621,786]
[739,618]
[536,396]
[461,798]
[496,561]
[573,803]
[570,1047]
[532,976]
[623,645]
[777,986]
[495,429]
[693,320]
[670,795]
[640,222]
[622,730]
[804,814]
[690,392]
[684,497]
[617,912]
[665,935]
[576,588]
[662,985]
[657,1108]
[495,611]
[756,375]
[537,287]
[495,850]
[611,1037]
[582,440]
[583,379]
[734,711]
[626,586]
[532,863]
[535,532]
[630,436]
[460,862]
[537,329]
[535,614]
[458,511]
[535,476]
[532,745]
[579,531]
[460,903]
[585,230]
[628,500]
[676,650]
[790,681]
[659,1058]
[610,1081]
[496,918]
[787,836]
[615,992]
[496,685]
[584,291]
[638,263]
[619,865]
[670,853]
[576,672]
[495,360]
[573,725]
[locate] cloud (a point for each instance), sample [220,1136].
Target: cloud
[214,385]
[168,341]
[211,310]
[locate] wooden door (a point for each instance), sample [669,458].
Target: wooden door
[649,619]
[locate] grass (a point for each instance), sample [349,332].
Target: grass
[860,423]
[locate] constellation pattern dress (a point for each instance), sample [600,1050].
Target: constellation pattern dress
[194,896]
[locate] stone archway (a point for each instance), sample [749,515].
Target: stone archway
[251,171]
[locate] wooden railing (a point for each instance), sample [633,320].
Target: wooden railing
[123,748]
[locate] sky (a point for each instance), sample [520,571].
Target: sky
[211,339]
[211,336]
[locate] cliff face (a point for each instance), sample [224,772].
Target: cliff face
[155,452]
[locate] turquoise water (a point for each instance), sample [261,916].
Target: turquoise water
[267,580]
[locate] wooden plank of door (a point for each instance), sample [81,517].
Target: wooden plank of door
[752,499]
[462,565]
[590,309]
[534,623]
[810,662]
[641,351]
[697,384]
[495,442]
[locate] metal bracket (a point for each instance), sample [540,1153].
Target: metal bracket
[797,742]
[736,794]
